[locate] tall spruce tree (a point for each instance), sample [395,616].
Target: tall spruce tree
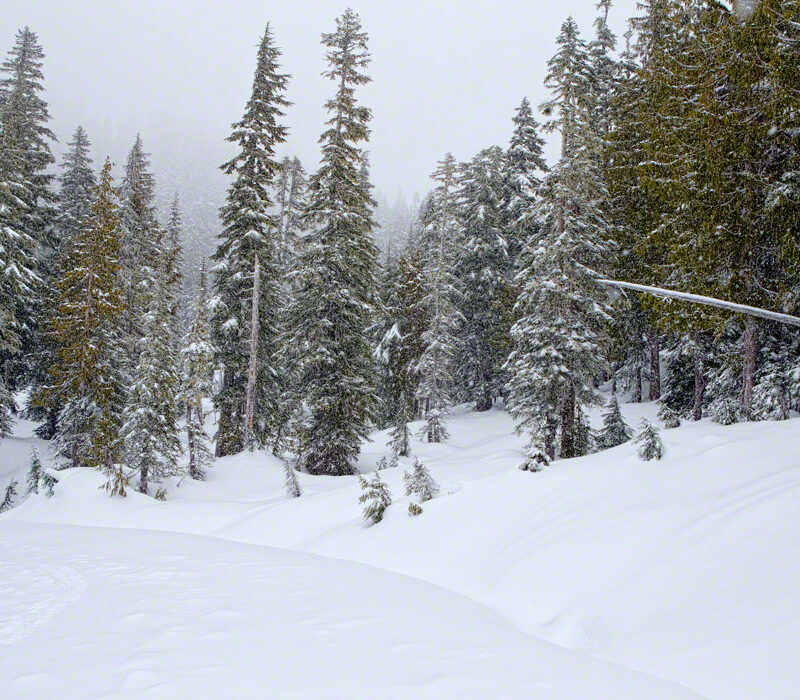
[335,281]
[441,233]
[247,276]
[87,380]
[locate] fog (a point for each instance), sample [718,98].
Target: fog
[447,76]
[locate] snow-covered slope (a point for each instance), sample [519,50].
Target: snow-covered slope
[686,569]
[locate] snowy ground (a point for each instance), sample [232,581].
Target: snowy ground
[655,579]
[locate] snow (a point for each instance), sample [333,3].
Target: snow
[655,579]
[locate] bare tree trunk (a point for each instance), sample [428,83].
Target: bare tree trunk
[568,424]
[250,392]
[699,386]
[749,361]
[637,386]
[190,447]
[655,366]
[143,474]
[613,381]
[550,439]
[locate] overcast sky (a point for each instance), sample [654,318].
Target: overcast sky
[447,74]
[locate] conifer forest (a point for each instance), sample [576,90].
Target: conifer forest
[448,390]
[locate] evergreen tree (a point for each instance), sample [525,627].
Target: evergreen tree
[74,208]
[376,496]
[48,482]
[172,255]
[293,488]
[440,232]
[400,442]
[670,418]
[248,277]
[196,381]
[86,379]
[291,185]
[615,430]
[10,497]
[420,483]
[35,472]
[483,269]
[150,427]
[649,441]
[560,336]
[335,280]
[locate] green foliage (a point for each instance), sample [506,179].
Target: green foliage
[649,441]
[376,496]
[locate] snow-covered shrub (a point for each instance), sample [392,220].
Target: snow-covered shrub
[293,489]
[668,417]
[649,441]
[414,509]
[387,462]
[48,483]
[726,412]
[34,473]
[377,498]
[536,459]
[420,483]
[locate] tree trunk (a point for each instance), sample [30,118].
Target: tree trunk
[637,386]
[699,386]
[655,366]
[250,393]
[568,423]
[190,443]
[550,439]
[143,474]
[749,361]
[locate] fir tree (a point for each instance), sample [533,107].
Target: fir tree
[440,236]
[48,482]
[248,278]
[670,418]
[35,473]
[150,427]
[86,379]
[335,280]
[649,441]
[73,210]
[400,442]
[196,381]
[293,488]
[615,430]
[10,497]
[376,496]
[725,412]
[420,483]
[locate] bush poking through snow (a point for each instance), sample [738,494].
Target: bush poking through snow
[669,417]
[34,473]
[414,509]
[420,483]
[649,441]
[161,494]
[48,484]
[535,461]
[387,463]
[293,489]
[726,412]
[10,498]
[615,430]
[377,498]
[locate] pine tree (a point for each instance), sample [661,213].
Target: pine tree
[670,418]
[335,281]
[560,336]
[725,412]
[35,473]
[420,483]
[140,253]
[376,496]
[400,442]
[649,441]
[173,259]
[48,482]
[615,430]
[87,380]
[440,236]
[483,270]
[10,497]
[248,277]
[196,376]
[150,427]
[291,185]
[74,208]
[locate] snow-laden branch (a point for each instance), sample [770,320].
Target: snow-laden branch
[708,301]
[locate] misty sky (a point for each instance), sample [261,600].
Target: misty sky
[447,75]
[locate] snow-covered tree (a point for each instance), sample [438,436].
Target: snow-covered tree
[247,277]
[196,381]
[293,488]
[649,441]
[670,418]
[87,380]
[725,411]
[615,430]
[150,420]
[10,498]
[335,279]
[376,496]
[420,483]
[35,473]
[439,240]
[400,441]
[560,336]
